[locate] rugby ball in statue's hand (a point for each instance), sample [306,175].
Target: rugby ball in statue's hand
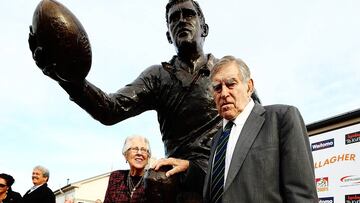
[63,38]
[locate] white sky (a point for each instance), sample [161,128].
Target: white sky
[305,53]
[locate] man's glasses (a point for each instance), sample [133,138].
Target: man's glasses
[2,185]
[136,149]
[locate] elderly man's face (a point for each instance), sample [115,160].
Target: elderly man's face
[38,177]
[184,24]
[231,95]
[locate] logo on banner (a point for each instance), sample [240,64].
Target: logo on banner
[335,159]
[322,144]
[322,184]
[354,198]
[352,138]
[351,180]
[326,200]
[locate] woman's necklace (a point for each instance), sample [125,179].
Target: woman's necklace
[131,186]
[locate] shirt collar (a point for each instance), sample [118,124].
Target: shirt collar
[177,63]
[241,118]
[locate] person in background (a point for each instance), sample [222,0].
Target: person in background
[263,152]
[128,185]
[7,195]
[40,192]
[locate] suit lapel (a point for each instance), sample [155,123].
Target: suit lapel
[247,136]
[27,192]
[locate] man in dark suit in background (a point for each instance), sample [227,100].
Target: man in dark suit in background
[40,192]
[265,156]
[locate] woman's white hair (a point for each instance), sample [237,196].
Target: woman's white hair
[128,140]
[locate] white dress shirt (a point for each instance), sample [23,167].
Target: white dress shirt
[235,133]
[34,187]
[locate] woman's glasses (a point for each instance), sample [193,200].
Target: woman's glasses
[136,149]
[2,185]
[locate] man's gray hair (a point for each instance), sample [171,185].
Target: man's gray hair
[45,171]
[243,68]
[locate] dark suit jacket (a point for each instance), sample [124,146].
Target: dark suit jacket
[42,194]
[272,160]
[13,197]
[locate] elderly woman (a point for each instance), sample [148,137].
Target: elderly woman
[6,193]
[128,185]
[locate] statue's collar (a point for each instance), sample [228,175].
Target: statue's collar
[176,63]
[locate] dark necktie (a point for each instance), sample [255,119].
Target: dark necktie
[217,178]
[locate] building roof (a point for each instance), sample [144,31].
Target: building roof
[335,122]
[79,183]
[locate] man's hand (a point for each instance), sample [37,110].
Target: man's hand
[179,165]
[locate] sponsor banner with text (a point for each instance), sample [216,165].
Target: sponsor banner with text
[337,164]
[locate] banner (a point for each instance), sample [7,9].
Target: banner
[337,164]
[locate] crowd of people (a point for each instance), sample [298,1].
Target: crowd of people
[255,141]
[221,144]
[39,192]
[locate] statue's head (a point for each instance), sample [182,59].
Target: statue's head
[196,5]
[186,24]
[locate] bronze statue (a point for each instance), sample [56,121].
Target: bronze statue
[178,90]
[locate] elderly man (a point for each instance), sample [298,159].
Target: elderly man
[263,152]
[177,90]
[40,192]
